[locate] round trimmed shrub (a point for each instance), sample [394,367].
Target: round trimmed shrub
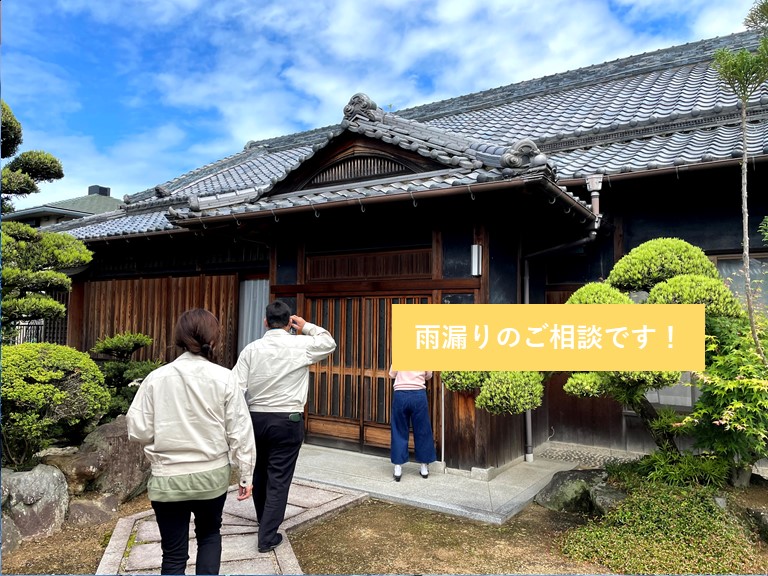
[585,384]
[463,381]
[511,392]
[48,391]
[598,293]
[658,260]
[121,346]
[697,289]
[625,387]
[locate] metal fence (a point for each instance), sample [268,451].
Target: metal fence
[32,332]
[54,331]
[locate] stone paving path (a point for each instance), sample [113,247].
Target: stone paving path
[134,547]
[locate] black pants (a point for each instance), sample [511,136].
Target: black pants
[278,441]
[173,522]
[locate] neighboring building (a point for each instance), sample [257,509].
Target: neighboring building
[556,178]
[97,201]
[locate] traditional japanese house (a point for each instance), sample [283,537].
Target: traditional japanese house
[546,182]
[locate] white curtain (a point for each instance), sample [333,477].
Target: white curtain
[254,297]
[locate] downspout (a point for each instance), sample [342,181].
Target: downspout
[526,300]
[528,414]
[442,421]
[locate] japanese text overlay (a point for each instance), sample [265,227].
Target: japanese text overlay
[548,337]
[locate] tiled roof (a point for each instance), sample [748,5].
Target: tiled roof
[662,109]
[114,224]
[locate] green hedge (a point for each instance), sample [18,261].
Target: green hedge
[511,392]
[698,289]
[47,392]
[658,260]
[598,293]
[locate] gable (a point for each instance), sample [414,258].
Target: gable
[350,158]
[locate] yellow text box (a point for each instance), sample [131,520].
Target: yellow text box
[548,337]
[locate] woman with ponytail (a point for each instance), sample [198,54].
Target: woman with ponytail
[189,418]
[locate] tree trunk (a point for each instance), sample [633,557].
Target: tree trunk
[664,439]
[745,234]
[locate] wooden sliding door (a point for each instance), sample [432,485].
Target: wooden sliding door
[351,393]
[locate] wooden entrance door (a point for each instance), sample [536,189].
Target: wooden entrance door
[351,393]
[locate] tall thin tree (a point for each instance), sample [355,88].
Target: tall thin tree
[745,73]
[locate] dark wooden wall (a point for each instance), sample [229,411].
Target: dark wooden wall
[151,306]
[588,421]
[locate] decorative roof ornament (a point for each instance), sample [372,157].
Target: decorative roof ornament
[255,146]
[361,105]
[162,192]
[523,153]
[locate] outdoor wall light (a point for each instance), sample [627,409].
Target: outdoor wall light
[477,260]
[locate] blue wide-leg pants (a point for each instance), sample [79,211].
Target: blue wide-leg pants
[410,407]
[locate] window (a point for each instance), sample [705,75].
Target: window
[681,396]
[731,270]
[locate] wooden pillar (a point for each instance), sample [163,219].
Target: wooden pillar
[75,312]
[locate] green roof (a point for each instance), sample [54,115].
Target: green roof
[90,204]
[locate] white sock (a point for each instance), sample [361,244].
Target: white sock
[398,470]
[424,469]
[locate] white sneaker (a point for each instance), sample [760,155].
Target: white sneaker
[424,470]
[398,472]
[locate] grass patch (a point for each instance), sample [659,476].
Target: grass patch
[104,542]
[665,529]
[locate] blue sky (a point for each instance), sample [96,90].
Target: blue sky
[132,93]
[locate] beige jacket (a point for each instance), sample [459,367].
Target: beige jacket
[189,416]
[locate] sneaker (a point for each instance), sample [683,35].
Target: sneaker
[264,549]
[424,471]
[398,472]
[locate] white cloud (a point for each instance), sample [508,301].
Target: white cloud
[128,166]
[206,77]
[29,75]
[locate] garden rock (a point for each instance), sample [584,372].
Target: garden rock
[92,510]
[128,469]
[569,490]
[760,518]
[605,498]
[11,535]
[79,468]
[5,489]
[37,501]
[107,462]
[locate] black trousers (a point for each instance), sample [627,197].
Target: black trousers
[173,522]
[278,441]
